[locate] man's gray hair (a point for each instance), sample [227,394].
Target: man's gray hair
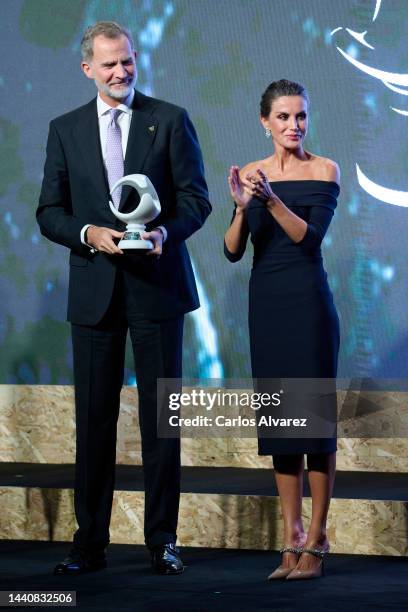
[110,29]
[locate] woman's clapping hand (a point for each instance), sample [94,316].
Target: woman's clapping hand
[262,187]
[241,188]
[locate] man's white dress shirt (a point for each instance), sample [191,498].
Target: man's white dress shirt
[123,121]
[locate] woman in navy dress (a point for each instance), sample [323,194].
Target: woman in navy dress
[285,204]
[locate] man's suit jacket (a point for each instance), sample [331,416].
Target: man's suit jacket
[163,145]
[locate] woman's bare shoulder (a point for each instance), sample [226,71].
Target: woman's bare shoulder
[325,169]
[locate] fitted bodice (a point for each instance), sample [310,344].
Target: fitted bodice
[312,200]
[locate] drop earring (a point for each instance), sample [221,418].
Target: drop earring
[268,133]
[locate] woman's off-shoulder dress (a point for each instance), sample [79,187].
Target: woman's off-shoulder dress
[293,323]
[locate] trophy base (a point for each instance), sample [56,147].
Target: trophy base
[136,245]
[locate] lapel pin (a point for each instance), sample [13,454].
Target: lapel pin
[151,128]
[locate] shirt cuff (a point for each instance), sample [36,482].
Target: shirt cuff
[163,230]
[83,230]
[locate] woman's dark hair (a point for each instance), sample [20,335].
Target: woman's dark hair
[276,90]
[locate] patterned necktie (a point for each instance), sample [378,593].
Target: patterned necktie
[114,154]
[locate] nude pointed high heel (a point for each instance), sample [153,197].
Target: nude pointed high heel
[282,572]
[318,572]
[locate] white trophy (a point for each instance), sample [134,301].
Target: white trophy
[147,210]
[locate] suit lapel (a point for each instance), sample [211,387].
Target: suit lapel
[87,136]
[142,133]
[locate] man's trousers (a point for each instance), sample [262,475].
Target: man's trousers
[99,356]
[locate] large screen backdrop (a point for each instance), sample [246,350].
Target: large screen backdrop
[215,57]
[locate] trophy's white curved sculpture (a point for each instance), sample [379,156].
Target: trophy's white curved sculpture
[147,210]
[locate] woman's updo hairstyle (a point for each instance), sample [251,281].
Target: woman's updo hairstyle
[276,90]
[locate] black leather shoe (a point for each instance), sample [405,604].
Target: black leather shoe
[166,559]
[79,562]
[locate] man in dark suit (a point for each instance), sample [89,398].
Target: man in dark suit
[122,132]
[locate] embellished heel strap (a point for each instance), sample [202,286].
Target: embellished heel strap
[292,549]
[316,552]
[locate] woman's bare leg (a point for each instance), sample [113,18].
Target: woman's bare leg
[321,472]
[289,479]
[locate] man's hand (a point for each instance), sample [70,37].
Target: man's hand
[156,237]
[101,239]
